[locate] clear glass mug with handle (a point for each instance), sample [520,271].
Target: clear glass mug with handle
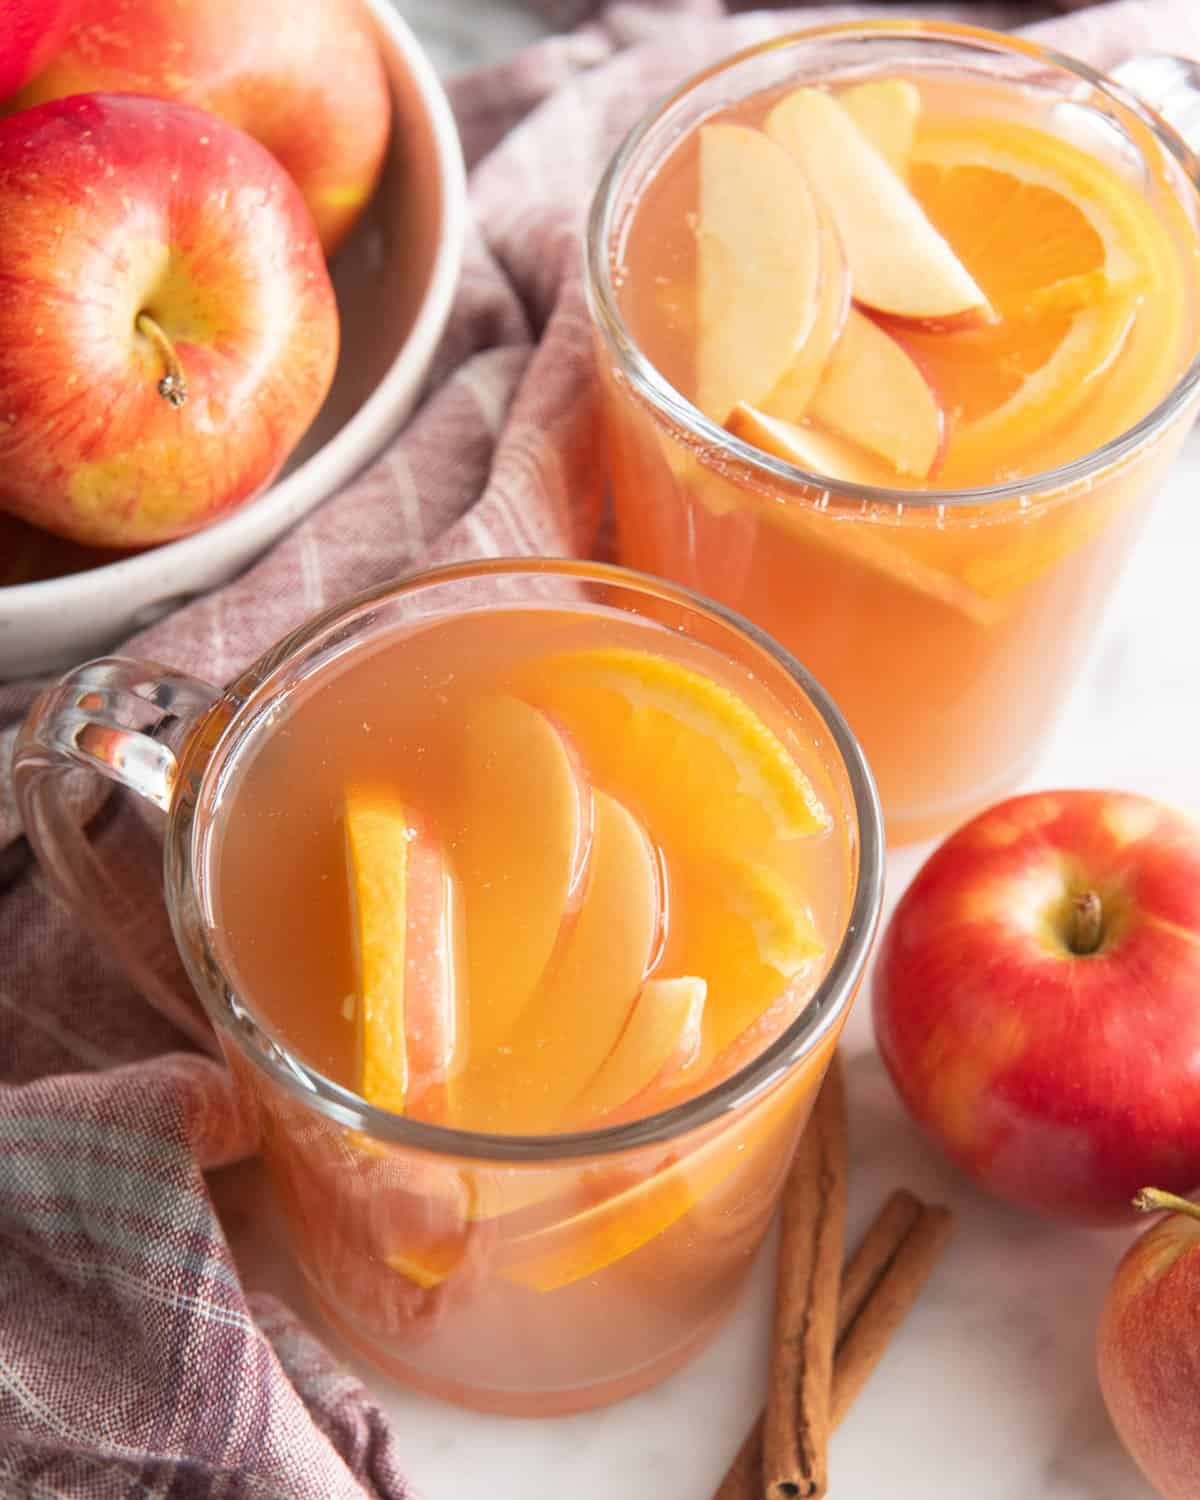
[948,622]
[526,1274]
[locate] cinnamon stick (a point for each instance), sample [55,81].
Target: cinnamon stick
[892,1300]
[875,1253]
[870,1274]
[796,1422]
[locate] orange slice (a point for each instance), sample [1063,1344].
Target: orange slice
[402,911]
[580,1008]
[1046,398]
[584,1243]
[428,1267]
[757,266]
[745,929]
[657,1047]
[687,755]
[520,847]
[1064,249]
[1028,213]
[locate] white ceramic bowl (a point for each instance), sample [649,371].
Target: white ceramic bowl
[395,280]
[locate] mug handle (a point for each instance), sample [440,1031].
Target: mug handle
[122,721]
[1168,85]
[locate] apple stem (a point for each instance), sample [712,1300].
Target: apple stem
[172,387]
[1087,924]
[1154,1200]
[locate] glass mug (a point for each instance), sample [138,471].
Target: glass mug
[537,1274]
[948,625]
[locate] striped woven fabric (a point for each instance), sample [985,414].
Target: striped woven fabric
[131,1361]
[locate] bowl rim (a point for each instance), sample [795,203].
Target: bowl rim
[361,439]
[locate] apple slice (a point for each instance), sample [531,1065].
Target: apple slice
[899,263]
[402,916]
[858,541]
[874,393]
[757,266]
[520,848]
[820,452]
[791,398]
[580,1008]
[886,112]
[659,1044]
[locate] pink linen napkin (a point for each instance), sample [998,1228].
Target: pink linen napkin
[131,1361]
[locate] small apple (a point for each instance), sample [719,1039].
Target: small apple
[1036,1000]
[31,31]
[167,325]
[303,77]
[1148,1348]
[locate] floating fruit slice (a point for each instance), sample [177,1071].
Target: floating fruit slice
[583,1002]
[428,1267]
[1045,399]
[1028,213]
[687,755]
[791,398]
[873,393]
[520,849]
[861,542]
[758,1036]
[757,266]
[584,1243]
[811,448]
[1045,537]
[886,112]
[748,932]
[899,263]
[1064,249]
[402,913]
[652,1054]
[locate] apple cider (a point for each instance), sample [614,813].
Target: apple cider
[517,873]
[895,329]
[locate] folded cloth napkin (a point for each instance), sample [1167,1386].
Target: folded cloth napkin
[131,1361]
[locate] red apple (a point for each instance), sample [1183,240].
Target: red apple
[1148,1350]
[1037,1000]
[302,76]
[137,235]
[31,31]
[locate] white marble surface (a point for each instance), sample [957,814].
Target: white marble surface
[989,1391]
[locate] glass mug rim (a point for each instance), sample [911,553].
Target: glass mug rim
[234,1017]
[667,402]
